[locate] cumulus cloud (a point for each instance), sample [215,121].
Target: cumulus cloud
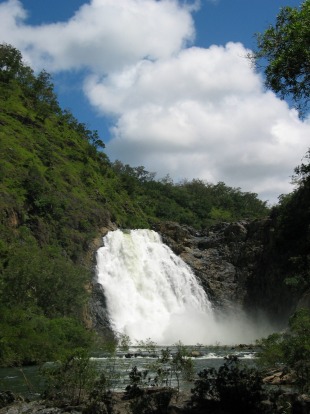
[178,109]
[103,35]
[203,113]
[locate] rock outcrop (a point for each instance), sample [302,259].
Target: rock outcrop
[222,257]
[233,263]
[97,309]
[237,265]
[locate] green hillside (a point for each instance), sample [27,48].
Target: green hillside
[57,190]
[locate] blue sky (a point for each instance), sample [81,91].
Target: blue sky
[167,84]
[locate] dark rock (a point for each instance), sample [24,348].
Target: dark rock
[6,398]
[99,314]
[235,232]
[304,302]
[234,266]
[221,257]
[234,263]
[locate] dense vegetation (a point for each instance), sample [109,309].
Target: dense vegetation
[285,48]
[283,53]
[235,387]
[283,270]
[58,189]
[54,197]
[195,203]
[290,350]
[292,229]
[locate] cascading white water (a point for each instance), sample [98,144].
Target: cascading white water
[152,293]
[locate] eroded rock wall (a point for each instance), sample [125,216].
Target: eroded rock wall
[236,264]
[233,263]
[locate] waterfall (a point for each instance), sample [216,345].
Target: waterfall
[152,294]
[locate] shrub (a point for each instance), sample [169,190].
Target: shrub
[232,389]
[101,400]
[69,382]
[291,349]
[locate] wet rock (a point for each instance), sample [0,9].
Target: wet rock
[279,378]
[196,354]
[234,263]
[99,314]
[6,398]
[222,257]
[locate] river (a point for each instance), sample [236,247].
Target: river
[29,382]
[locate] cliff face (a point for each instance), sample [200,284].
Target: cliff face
[240,266]
[235,264]
[97,309]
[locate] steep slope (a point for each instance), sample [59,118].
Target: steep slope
[58,194]
[56,191]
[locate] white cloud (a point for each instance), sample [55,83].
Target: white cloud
[203,113]
[103,35]
[187,111]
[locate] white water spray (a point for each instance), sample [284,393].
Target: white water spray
[152,293]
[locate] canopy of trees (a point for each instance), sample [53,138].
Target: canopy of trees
[286,48]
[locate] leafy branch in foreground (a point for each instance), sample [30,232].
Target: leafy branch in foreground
[285,46]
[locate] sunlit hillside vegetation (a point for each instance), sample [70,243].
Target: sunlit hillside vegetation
[58,188]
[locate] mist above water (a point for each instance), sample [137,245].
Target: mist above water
[153,294]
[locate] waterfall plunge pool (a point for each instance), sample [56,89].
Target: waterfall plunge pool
[151,293]
[28,381]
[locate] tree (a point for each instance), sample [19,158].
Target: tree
[285,47]
[10,62]
[303,171]
[12,66]
[233,388]
[291,349]
[44,96]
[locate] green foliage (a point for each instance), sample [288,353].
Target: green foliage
[272,352]
[182,365]
[145,400]
[291,349]
[285,46]
[151,402]
[292,234]
[232,389]
[27,336]
[70,381]
[302,172]
[174,366]
[195,203]
[286,259]
[101,399]
[11,65]
[57,190]
[124,342]
[138,380]
[35,277]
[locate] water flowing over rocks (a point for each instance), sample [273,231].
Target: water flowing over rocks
[234,265]
[150,291]
[222,257]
